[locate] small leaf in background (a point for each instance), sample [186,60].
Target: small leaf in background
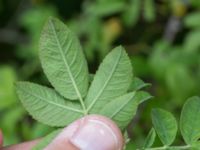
[149,10]
[7,90]
[47,106]
[191,42]
[137,84]
[9,123]
[123,108]
[165,125]
[63,61]
[132,13]
[104,8]
[190,120]
[46,140]
[175,81]
[192,20]
[110,81]
[150,138]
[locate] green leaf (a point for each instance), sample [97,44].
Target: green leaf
[165,125]
[190,120]
[102,9]
[112,79]
[192,20]
[46,106]
[123,108]
[132,12]
[150,138]
[7,90]
[46,140]
[63,61]
[149,10]
[137,84]
[196,145]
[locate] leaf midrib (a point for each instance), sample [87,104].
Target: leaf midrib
[117,111]
[51,102]
[109,77]
[68,69]
[164,132]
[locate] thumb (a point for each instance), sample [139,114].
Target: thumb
[92,132]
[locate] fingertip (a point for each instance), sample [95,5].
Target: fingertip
[89,133]
[1,138]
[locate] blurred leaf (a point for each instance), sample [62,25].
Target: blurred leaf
[105,8]
[159,59]
[191,43]
[175,81]
[7,90]
[149,10]
[132,12]
[10,124]
[192,20]
[165,125]
[46,140]
[150,138]
[111,30]
[141,66]
[40,130]
[179,7]
[33,20]
[190,120]
[137,84]
[130,146]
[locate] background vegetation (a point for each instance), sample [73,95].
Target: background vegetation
[162,37]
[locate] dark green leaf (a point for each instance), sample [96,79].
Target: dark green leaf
[150,138]
[190,120]
[165,125]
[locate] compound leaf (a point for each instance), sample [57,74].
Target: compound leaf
[190,120]
[63,61]
[111,80]
[165,125]
[46,106]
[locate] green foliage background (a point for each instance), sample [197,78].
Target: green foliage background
[162,37]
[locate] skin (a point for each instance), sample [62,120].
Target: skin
[64,140]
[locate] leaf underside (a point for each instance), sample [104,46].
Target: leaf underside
[110,81]
[123,108]
[63,61]
[46,105]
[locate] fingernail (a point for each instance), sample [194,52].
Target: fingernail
[95,135]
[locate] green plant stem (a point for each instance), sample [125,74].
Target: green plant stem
[167,147]
[83,105]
